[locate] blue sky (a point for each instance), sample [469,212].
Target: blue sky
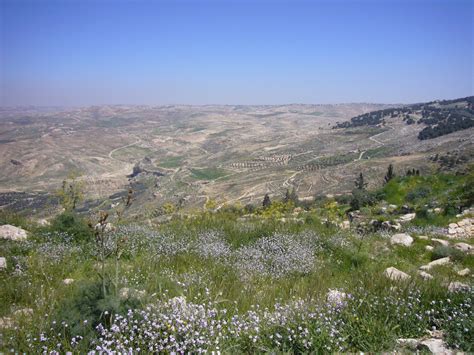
[72,52]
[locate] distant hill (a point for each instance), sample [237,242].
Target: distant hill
[439,117]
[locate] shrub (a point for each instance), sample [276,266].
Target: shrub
[361,198]
[418,193]
[72,224]
[441,251]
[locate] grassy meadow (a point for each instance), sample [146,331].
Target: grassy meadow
[241,279]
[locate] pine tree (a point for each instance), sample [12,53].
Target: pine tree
[360,183]
[266,201]
[390,174]
[293,196]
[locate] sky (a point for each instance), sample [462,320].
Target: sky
[99,52]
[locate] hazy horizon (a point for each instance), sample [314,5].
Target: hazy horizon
[87,53]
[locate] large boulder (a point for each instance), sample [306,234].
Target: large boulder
[401,239]
[10,232]
[3,263]
[395,274]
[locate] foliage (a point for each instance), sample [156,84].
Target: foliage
[72,224]
[71,192]
[441,251]
[360,183]
[225,282]
[361,198]
[390,174]
[266,201]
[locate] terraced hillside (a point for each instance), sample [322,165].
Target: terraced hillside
[188,155]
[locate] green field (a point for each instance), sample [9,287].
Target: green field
[171,162]
[208,173]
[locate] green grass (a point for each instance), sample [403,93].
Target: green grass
[439,188]
[165,262]
[132,153]
[171,162]
[208,173]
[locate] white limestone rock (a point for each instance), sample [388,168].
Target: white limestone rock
[457,286]
[395,274]
[441,242]
[464,272]
[464,247]
[10,232]
[401,239]
[437,262]
[424,275]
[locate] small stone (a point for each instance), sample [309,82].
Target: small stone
[435,346]
[10,232]
[23,312]
[406,217]
[68,281]
[3,263]
[401,239]
[441,242]
[429,248]
[436,333]
[464,272]
[423,237]
[457,286]
[43,222]
[345,225]
[438,262]
[464,247]
[6,322]
[453,225]
[437,210]
[424,275]
[395,274]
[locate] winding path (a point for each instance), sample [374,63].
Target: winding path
[122,147]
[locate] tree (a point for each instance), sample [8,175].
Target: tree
[360,183]
[390,174]
[291,196]
[71,192]
[266,201]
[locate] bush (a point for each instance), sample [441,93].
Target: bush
[418,193]
[361,198]
[72,224]
[441,251]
